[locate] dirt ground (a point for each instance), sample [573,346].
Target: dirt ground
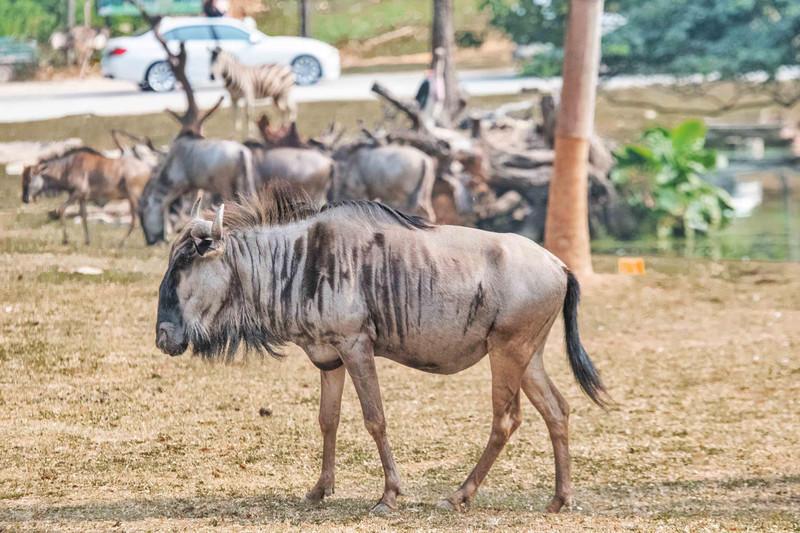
[100,431]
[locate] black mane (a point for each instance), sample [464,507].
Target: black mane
[72,151]
[379,212]
[283,203]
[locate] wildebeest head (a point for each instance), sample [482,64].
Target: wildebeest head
[194,287]
[34,181]
[151,213]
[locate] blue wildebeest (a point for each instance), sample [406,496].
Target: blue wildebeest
[304,167]
[357,280]
[399,176]
[193,163]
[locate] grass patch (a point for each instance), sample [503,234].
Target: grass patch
[58,277]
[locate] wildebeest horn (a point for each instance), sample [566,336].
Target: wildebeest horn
[196,206]
[216,228]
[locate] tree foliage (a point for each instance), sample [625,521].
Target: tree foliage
[680,37]
[31,19]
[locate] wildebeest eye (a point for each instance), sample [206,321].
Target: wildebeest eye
[202,245]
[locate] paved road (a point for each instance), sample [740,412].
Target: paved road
[28,101]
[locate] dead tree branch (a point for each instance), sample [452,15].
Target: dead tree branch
[192,120]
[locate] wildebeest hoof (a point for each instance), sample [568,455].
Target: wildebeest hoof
[456,502]
[318,493]
[557,503]
[381,508]
[447,505]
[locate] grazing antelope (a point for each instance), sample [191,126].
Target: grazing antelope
[253,83]
[359,280]
[217,166]
[87,176]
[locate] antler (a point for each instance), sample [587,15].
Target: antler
[192,120]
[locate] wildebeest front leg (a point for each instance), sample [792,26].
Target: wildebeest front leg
[359,360]
[132,202]
[330,402]
[507,416]
[168,200]
[61,212]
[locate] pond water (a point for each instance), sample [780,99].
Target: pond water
[771,232]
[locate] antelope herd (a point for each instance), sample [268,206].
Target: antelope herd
[155,181]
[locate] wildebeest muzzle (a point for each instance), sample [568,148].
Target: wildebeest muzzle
[171,339]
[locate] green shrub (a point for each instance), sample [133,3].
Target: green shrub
[469,38]
[545,64]
[661,178]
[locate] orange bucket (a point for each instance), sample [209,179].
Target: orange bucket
[632,266]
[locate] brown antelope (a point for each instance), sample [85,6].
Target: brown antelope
[87,176]
[359,280]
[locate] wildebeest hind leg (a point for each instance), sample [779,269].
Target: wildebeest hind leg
[330,401]
[543,394]
[359,361]
[82,205]
[507,368]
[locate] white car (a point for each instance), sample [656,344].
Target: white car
[141,58]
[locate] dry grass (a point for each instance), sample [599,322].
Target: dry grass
[98,429]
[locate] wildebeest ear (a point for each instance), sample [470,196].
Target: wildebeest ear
[216,227]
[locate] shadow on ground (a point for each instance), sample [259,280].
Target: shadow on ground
[749,499]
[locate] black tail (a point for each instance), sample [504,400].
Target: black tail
[582,367]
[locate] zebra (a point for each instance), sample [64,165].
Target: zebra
[252,83]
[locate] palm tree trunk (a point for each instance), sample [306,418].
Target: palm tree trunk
[443,64]
[567,226]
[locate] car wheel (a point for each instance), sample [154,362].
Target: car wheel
[159,77]
[307,70]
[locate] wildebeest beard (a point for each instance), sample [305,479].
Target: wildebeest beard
[235,325]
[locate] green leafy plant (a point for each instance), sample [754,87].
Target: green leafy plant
[661,178]
[545,64]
